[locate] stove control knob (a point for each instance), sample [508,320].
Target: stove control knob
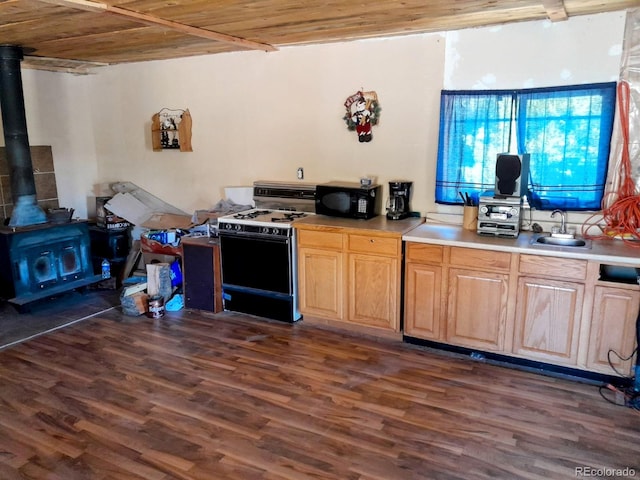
[264,229]
[275,231]
[483,209]
[237,227]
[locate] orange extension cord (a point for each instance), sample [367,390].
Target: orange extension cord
[622,217]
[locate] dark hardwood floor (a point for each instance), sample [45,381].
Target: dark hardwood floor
[16,325]
[188,396]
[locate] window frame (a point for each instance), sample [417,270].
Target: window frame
[453,139]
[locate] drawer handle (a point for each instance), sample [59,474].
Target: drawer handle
[372,240]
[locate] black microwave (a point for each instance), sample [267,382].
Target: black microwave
[348,199]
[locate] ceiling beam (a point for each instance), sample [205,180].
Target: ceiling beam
[555,10]
[77,67]
[152,20]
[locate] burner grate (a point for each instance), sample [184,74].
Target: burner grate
[251,214]
[288,217]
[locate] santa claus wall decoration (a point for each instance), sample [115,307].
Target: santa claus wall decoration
[363,111]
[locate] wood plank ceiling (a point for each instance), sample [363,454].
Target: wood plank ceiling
[76,35]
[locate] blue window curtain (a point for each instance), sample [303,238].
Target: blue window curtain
[474,127]
[565,130]
[567,133]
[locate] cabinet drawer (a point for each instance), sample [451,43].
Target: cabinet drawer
[374,245]
[424,253]
[479,259]
[314,238]
[553,267]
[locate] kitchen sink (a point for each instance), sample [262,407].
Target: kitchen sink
[551,241]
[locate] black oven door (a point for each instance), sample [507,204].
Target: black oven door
[256,263]
[258,276]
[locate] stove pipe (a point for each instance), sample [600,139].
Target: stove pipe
[26,210]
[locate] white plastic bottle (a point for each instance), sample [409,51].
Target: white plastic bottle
[106,269]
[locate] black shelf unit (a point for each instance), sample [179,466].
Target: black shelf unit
[114,245]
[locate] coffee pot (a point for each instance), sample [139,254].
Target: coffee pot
[398,201]
[395,207]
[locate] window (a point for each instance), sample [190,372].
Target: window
[565,130]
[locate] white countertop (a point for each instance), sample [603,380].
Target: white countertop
[612,251]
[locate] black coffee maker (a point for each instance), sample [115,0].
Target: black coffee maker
[398,202]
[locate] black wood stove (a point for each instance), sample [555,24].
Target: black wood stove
[44,260]
[38,259]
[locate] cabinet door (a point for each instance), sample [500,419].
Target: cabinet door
[548,320]
[422,312]
[373,291]
[477,310]
[612,328]
[320,282]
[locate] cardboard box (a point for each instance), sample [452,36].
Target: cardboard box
[150,257]
[105,218]
[142,209]
[152,246]
[135,304]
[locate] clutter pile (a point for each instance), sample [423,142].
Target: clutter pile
[152,277]
[154,293]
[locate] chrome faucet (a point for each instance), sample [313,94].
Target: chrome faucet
[563,221]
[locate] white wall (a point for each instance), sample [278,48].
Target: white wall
[262,115]
[536,54]
[58,114]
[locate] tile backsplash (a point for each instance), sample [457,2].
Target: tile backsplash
[44,178]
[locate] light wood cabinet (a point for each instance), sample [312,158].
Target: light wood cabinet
[485,260]
[477,309]
[423,313]
[553,267]
[351,277]
[478,294]
[546,309]
[549,302]
[321,274]
[373,287]
[613,324]
[548,320]
[321,282]
[457,295]
[424,302]
[373,290]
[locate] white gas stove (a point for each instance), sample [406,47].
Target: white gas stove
[260,221]
[258,251]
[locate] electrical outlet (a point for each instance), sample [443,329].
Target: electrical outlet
[300,173]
